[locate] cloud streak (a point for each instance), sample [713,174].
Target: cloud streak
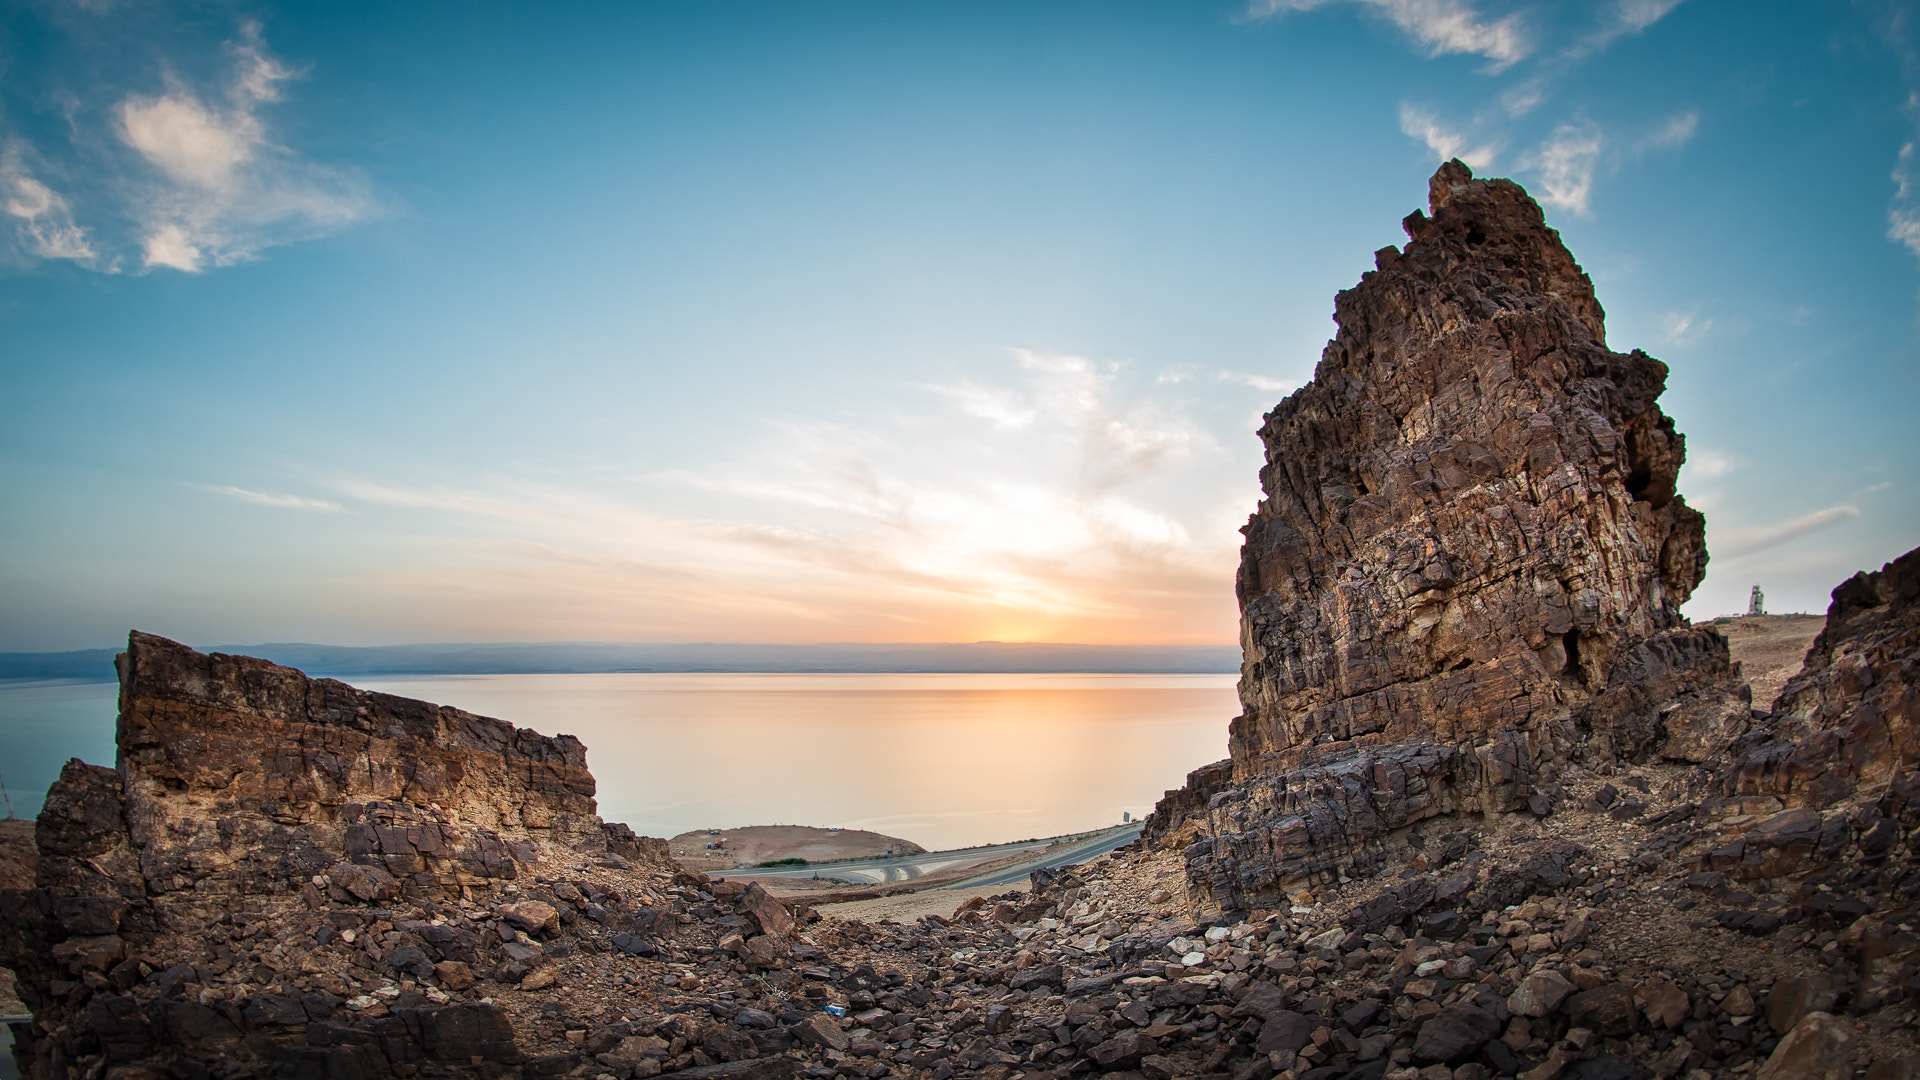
[283,502]
[1441,27]
[1058,503]
[1749,541]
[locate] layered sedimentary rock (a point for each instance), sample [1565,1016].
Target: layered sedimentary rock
[245,792]
[1467,566]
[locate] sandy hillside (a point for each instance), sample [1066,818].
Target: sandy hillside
[1770,649]
[764,843]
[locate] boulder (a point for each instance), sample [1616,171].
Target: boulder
[1819,1047]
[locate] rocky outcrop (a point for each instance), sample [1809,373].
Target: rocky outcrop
[1466,569]
[245,793]
[1849,723]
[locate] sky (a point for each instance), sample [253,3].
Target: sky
[849,321]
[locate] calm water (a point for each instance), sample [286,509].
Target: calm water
[942,760]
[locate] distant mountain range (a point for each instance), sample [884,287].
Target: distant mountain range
[342,661]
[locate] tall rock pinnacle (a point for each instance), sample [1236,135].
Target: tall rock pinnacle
[1469,556]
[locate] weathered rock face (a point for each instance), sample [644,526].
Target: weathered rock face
[1849,724]
[248,791]
[1467,567]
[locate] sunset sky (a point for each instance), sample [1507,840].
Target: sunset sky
[846,321]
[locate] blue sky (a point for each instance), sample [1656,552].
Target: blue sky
[860,321]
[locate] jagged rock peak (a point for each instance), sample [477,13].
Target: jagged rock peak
[1469,560]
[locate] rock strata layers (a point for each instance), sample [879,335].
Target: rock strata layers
[1466,568]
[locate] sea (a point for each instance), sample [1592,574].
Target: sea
[943,760]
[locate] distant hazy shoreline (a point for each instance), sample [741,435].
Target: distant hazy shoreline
[563,658]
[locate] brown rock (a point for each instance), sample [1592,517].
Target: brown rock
[532,916]
[768,913]
[1818,1048]
[1539,994]
[765,951]
[1848,720]
[1738,1002]
[1122,1051]
[820,1030]
[1903,1067]
[1455,1034]
[539,979]
[1663,1003]
[453,974]
[1607,1009]
[1467,565]
[1793,997]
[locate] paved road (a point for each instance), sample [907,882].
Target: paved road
[907,867]
[1092,847]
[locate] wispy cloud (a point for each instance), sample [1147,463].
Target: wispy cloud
[1068,498]
[1446,144]
[1903,217]
[1565,164]
[1710,464]
[1748,541]
[42,220]
[1440,26]
[1676,132]
[1684,328]
[1263,383]
[1623,18]
[225,190]
[283,502]
[186,177]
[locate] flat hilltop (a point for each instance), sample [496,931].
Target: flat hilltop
[754,844]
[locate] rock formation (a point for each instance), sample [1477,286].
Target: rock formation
[1850,721]
[1467,566]
[245,790]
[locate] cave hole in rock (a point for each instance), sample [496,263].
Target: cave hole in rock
[1475,238]
[1571,642]
[1638,481]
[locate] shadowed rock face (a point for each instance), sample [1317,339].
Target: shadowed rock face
[1467,567]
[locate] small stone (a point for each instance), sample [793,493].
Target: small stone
[538,979]
[1738,1002]
[453,974]
[1539,994]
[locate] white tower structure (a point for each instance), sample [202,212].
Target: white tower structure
[1757,604]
